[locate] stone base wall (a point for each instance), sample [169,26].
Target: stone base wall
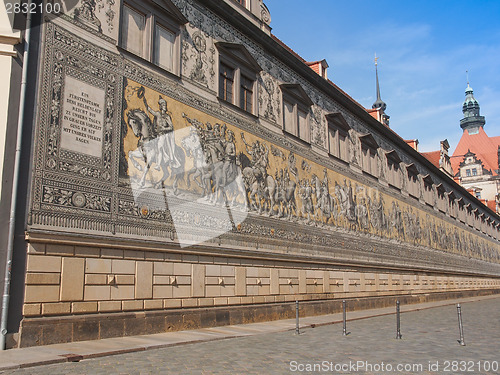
[53,330]
[80,293]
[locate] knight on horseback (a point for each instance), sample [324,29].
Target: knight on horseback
[164,128]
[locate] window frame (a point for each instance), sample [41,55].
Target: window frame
[167,17]
[244,67]
[428,191]
[394,169]
[294,95]
[338,134]
[369,155]
[413,183]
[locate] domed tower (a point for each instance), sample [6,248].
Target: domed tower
[472,121]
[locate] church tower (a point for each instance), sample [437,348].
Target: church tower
[472,121]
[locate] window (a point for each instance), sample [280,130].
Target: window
[369,157]
[296,106]
[467,172]
[246,94]
[393,169]
[295,120]
[152,32]
[413,186]
[441,201]
[226,83]
[428,192]
[164,48]
[338,129]
[453,209]
[238,72]
[242,2]
[133,30]
[474,171]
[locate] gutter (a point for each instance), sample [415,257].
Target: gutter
[15,184]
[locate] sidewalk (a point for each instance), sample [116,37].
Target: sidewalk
[71,352]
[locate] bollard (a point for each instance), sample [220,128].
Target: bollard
[344,318]
[460,325]
[297,332]
[398,322]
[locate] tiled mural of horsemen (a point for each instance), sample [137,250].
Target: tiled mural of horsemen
[174,149]
[215,168]
[156,144]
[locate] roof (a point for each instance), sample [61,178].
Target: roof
[485,148]
[492,205]
[433,157]
[346,95]
[307,63]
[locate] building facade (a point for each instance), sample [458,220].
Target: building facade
[477,156]
[187,169]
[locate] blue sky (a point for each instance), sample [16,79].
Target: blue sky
[424,49]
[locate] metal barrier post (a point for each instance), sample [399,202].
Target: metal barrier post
[297,332]
[460,325]
[398,321]
[344,318]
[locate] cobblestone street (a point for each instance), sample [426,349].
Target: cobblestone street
[429,346]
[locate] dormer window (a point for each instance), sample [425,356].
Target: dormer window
[296,105]
[152,32]
[238,72]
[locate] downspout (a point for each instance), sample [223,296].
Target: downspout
[15,183]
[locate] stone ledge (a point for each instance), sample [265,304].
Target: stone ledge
[47,330]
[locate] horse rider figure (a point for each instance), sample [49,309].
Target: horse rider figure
[164,127]
[260,159]
[212,142]
[229,156]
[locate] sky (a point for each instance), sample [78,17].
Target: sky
[424,50]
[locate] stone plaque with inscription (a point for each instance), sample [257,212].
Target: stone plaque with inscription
[83,117]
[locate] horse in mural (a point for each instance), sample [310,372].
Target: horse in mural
[215,169]
[201,173]
[261,191]
[151,151]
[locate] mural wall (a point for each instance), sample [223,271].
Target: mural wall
[170,147]
[126,153]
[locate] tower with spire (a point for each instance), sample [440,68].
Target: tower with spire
[379,104]
[472,121]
